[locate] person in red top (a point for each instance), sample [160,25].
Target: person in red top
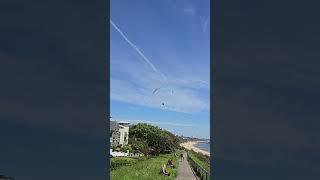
[170,163]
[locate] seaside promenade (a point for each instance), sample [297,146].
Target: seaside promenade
[184,171]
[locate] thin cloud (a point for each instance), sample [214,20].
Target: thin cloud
[155,122]
[205,24]
[189,129]
[138,51]
[134,81]
[185,101]
[136,85]
[190,11]
[190,83]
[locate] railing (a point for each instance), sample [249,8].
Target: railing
[199,170]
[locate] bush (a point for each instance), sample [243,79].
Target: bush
[119,148]
[152,140]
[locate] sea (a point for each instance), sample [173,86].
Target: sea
[204,146]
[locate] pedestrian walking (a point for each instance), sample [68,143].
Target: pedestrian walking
[182,158]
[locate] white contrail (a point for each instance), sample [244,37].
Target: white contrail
[138,50]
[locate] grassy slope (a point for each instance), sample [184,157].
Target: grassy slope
[146,170]
[204,164]
[121,161]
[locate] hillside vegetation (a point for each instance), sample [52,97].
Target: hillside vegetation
[152,140]
[157,146]
[200,159]
[147,169]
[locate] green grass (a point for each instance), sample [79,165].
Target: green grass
[118,162]
[198,160]
[147,169]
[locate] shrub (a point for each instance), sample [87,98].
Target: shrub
[152,140]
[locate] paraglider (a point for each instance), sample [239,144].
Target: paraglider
[163,94]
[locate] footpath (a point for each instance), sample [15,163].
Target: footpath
[184,170]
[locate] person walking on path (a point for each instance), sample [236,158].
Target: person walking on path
[185,171]
[181,157]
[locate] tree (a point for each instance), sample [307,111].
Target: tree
[148,139]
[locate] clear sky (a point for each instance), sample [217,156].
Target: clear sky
[161,44]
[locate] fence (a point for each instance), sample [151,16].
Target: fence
[199,170]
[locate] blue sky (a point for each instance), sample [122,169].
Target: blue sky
[161,44]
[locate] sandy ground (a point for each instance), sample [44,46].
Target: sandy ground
[191,145]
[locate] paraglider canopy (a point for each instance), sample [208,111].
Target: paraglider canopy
[165,88]
[163,94]
[155,90]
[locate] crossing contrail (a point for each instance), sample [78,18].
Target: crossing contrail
[138,51]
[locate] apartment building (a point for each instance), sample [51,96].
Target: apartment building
[119,133]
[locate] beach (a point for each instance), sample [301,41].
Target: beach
[191,145]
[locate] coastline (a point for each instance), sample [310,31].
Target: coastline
[191,145]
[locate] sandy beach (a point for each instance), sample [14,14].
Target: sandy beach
[191,145]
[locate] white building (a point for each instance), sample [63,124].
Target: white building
[119,133]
